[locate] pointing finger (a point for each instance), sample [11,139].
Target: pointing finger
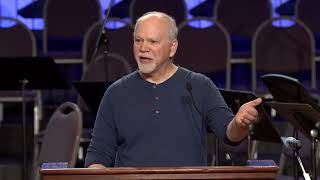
[255,102]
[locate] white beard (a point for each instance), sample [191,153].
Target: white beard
[147,68]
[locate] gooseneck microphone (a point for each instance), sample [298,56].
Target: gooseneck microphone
[204,119]
[293,143]
[189,89]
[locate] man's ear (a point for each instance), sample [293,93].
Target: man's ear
[174,47]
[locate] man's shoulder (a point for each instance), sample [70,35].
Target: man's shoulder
[193,76]
[198,81]
[123,82]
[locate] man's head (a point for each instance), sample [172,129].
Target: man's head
[155,42]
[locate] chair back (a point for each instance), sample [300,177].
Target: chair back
[284,50]
[242,17]
[17,40]
[205,50]
[103,68]
[62,135]
[120,41]
[110,67]
[66,22]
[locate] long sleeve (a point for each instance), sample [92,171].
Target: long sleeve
[103,145]
[217,112]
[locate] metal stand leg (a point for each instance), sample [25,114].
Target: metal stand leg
[314,135]
[216,152]
[295,161]
[250,142]
[24,130]
[305,174]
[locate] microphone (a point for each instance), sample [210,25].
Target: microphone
[216,151]
[102,41]
[293,143]
[189,89]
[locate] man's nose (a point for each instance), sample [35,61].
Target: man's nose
[144,47]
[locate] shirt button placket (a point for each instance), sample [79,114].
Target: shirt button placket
[156,102]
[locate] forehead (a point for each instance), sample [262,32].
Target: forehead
[155,26]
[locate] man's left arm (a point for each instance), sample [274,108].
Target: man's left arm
[238,128]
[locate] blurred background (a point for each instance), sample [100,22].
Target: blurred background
[51,44]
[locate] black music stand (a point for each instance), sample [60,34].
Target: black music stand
[263,129]
[40,72]
[287,89]
[92,92]
[29,73]
[304,118]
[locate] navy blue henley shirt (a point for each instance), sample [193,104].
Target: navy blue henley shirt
[141,124]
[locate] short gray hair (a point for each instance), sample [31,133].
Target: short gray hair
[172,22]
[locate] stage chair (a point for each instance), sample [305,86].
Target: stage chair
[61,138]
[284,50]
[120,41]
[241,19]
[66,22]
[205,50]
[17,40]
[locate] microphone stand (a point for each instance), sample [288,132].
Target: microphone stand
[314,135]
[297,160]
[25,173]
[250,142]
[102,40]
[306,176]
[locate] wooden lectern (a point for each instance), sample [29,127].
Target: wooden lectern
[206,172]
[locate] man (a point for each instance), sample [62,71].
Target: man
[157,115]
